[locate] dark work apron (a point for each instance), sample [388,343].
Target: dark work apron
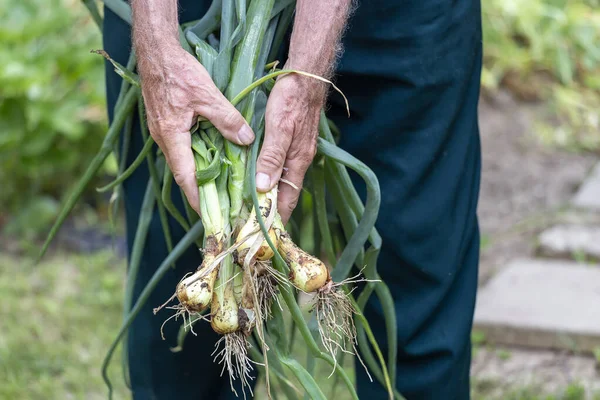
[411,73]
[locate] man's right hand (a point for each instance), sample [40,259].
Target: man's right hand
[177,89]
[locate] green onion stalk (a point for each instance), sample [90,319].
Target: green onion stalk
[195,292]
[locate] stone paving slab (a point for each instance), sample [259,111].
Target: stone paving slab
[542,303]
[570,240]
[588,195]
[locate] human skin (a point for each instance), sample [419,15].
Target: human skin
[177,89]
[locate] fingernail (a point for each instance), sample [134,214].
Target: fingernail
[263,182]
[245,134]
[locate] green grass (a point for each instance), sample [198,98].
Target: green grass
[58,319]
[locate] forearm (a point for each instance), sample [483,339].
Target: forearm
[314,44]
[154,32]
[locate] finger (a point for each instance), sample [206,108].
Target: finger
[290,187]
[226,118]
[278,137]
[177,148]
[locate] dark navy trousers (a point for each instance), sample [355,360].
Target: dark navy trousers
[411,72]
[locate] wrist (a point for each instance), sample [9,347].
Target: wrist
[155,60]
[307,63]
[313,90]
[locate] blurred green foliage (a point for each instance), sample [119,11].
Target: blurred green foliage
[52,116]
[58,319]
[549,50]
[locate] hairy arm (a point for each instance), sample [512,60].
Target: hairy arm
[154,31]
[176,90]
[295,102]
[315,40]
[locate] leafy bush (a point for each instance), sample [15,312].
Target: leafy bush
[52,116]
[548,49]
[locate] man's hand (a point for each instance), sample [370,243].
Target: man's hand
[294,105]
[291,130]
[174,99]
[177,89]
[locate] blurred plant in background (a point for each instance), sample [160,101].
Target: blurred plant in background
[52,115]
[548,50]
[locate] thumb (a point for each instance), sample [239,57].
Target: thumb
[227,119]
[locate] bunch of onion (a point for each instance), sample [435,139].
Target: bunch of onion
[235,316]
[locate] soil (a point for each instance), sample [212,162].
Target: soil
[524,184]
[498,372]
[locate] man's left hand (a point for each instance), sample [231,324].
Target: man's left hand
[291,130]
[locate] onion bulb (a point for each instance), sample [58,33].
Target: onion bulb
[251,231]
[224,311]
[195,293]
[307,272]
